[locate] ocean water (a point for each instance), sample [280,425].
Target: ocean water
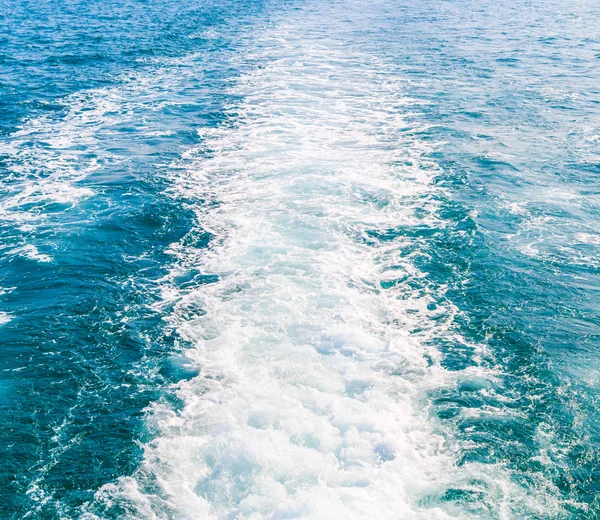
[307,259]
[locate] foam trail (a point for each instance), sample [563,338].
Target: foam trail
[309,402]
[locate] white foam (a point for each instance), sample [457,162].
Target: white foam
[311,399]
[45,161]
[51,158]
[32,252]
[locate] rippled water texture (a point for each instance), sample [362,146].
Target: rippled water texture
[299,259]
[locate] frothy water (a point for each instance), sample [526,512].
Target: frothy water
[316,260]
[314,358]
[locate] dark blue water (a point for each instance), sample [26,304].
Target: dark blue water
[299,259]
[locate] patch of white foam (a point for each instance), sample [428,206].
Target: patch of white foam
[32,252]
[5,318]
[50,157]
[46,160]
[310,401]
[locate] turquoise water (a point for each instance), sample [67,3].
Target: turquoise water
[299,259]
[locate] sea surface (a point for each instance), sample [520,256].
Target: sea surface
[299,259]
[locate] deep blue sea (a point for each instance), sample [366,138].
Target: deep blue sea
[299,259]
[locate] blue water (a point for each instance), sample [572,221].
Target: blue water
[299,259]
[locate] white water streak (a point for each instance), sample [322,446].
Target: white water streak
[309,402]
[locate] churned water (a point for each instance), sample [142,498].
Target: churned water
[300,259]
